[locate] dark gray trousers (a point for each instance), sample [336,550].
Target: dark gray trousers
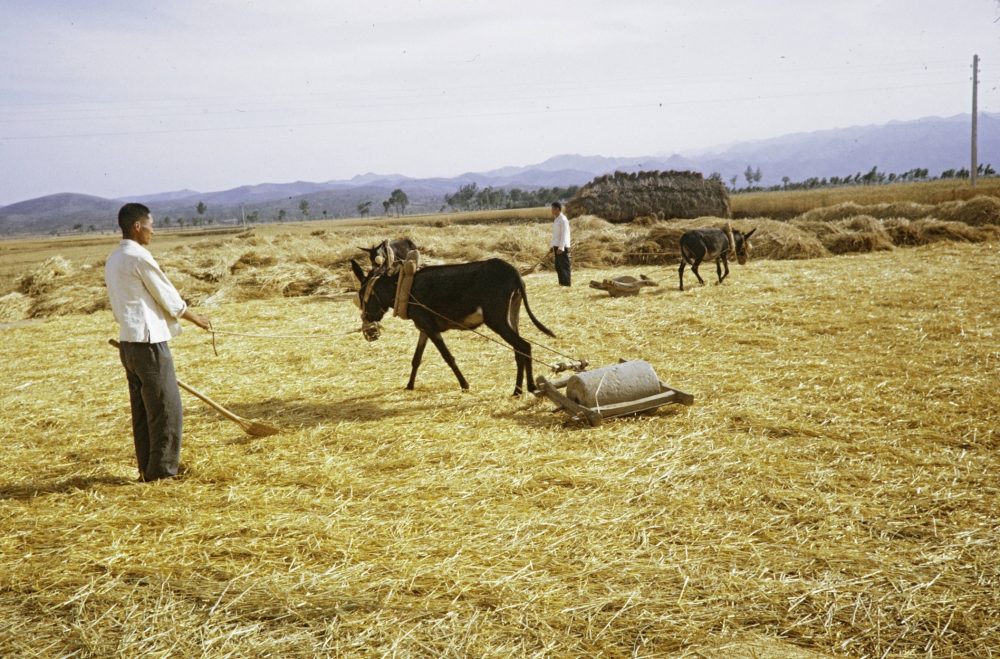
[157,417]
[563,266]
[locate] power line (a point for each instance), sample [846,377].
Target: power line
[546,89]
[474,115]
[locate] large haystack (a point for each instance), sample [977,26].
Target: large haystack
[622,197]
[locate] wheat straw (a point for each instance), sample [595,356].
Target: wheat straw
[831,492]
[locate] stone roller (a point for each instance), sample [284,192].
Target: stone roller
[620,383]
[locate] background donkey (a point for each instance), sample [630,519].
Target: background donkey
[399,247]
[699,245]
[462,296]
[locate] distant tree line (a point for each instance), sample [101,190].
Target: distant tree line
[472,197]
[871,177]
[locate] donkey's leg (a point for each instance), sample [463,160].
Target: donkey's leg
[418,355]
[694,269]
[522,352]
[435,337]
[680,273]
[725,262]
[513,320]
[514,310]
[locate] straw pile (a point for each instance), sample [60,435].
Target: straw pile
[929,230]
[14,306]
[622,197]
[977,211]
[785,205]
[832,491]
[857,233]
[59,287]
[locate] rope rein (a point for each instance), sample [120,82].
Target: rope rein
[271,336]
[420,304]
[368,289]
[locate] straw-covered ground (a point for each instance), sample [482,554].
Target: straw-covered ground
[833,490]
[312,259]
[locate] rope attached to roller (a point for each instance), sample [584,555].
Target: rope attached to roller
[574,364]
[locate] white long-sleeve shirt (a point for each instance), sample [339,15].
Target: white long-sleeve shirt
[560,232]
[144,302]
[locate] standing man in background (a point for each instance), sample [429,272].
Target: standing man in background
[560,244]
[148,308]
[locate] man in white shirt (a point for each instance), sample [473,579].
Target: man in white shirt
[148,309]
[560,244]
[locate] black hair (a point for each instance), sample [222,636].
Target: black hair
[557,205]
[129,214]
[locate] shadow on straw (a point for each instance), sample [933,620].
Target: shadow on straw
[28,491]
[301,413]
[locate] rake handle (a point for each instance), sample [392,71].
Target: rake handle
[211,403]
[208,401]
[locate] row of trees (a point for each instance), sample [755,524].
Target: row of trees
[472,197]
[871,177]
[181,221]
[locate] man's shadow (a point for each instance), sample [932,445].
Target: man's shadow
[299,413]
[28,491]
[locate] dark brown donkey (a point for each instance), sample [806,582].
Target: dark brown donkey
[445,297]
[699,245]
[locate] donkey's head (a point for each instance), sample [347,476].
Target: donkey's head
[743,246]
[370,301]
[379,255]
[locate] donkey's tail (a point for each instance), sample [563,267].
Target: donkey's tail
[524,296]
[686,256]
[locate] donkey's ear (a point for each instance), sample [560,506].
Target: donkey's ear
[358,272]
[746,236]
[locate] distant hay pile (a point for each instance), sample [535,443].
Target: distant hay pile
[928,230]
[57,287]
[909,210]
[858,233]
[852,228]
[597,242]
[622,197]
[978,211]
[14,306]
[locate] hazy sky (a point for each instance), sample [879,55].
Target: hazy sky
[124,97]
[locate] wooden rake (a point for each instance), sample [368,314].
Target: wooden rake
[254,428]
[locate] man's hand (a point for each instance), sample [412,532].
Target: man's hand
[199,320]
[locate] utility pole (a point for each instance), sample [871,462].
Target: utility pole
[975,86]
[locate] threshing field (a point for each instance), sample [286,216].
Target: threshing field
[832,491]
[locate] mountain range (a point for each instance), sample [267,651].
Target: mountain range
[933,143]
